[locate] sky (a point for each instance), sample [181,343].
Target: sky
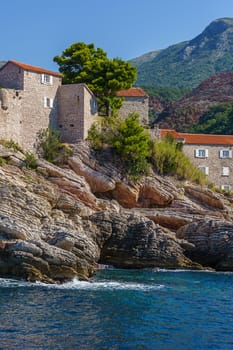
[33,32]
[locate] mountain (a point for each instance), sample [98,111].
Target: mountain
[186,64]
[184,113]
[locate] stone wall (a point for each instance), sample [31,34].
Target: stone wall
[76,112]
[214,163]
[36,115]
[12,77]
[11,115]
[136,104]
[23,113]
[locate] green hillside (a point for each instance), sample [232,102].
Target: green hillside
[186,64]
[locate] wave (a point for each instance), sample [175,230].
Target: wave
[82,285]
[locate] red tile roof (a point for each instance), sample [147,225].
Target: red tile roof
[132,92]
[199,139]
[34,69]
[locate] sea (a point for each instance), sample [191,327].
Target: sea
[120,309]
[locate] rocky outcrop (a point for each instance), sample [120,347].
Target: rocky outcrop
[136,242]
[205,196]
[213,243]
[54,227]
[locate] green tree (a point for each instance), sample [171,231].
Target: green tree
[217,120]
[128,139]
[83,63]
[132,144]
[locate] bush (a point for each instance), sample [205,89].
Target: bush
[131,142]
[127,138]
[11,144]
[3,161]
[50,144]
[30,161]
[168,159]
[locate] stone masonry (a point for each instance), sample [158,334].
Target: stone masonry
[77,111]
[32,99]
[213,154]
[135,100]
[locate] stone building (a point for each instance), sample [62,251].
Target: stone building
[33,98]
[135,100]
[211,153]
[28,102]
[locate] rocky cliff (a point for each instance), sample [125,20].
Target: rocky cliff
[60,223]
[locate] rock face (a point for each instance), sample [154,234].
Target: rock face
[59,223]
[137,242]
[213,243]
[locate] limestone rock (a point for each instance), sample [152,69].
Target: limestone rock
[135,242]
[213,241]
[53,227]
[205,196]
[98,182]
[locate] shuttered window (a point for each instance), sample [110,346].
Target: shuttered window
[48,102]
[46,79]
[225,153]
[201,153]
[204,169]
[225,170]
[226,187]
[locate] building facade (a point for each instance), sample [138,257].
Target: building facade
[212,154]
[33,98]
[135,100]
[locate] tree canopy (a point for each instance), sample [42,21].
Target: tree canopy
[83,63]
[217,120]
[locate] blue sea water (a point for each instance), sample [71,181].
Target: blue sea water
[121,309]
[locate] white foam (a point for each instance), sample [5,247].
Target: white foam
[82,285]
[105,285]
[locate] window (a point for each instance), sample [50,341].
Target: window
[46,79]
[204,169]
[225,170]
[226,187]
[225,153]
[48,102]
[201,153]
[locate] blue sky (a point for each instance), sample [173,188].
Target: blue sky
[34,32]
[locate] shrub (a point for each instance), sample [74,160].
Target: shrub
[30,160]
[50,144]
[131,142]
[11,144]
[3,161]
[127,138]
[168,159]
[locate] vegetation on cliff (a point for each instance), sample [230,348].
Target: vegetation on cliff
[138,153]
[168,159]
[51,147]
[83,63]
[127,138]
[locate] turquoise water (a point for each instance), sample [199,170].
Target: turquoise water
[121,309]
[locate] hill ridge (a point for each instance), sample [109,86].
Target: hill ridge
[186,64]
